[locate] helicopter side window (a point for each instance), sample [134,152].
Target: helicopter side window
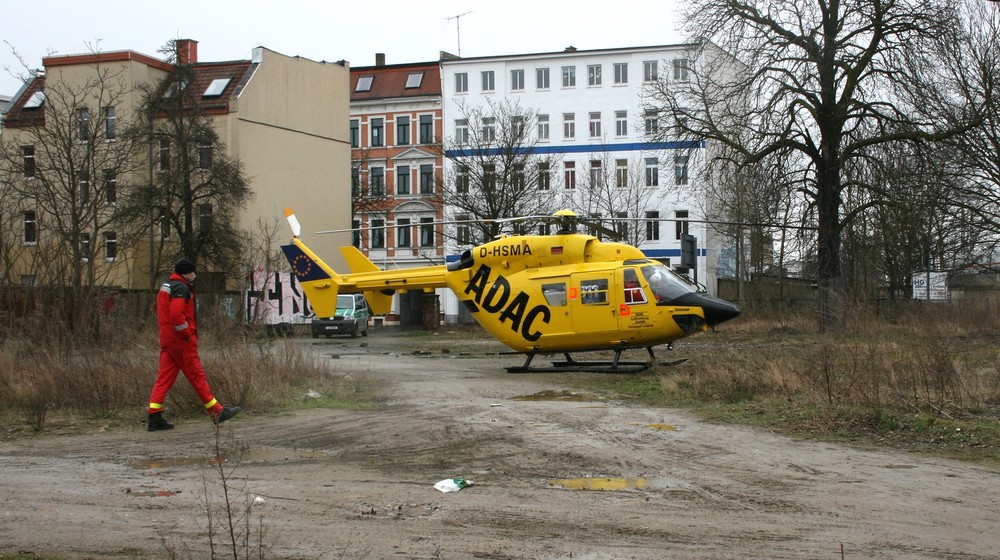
[555,294]
[594,292]
[633,290]
[665,284]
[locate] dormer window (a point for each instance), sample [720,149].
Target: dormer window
[414,80]
[175,89]
[364,83]
[216,88]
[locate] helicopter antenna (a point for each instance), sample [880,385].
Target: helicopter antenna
[458,29]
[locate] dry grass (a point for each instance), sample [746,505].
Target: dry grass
[45,374]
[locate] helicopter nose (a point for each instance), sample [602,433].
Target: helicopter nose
[716,310]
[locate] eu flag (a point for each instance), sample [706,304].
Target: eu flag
[303,266]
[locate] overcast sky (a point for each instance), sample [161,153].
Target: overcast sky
[406,31]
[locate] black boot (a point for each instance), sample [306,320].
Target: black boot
[225,414]
[157,422]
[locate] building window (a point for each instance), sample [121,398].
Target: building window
[652,125]
[621,224]
[489,129]
[461,82]
[680,69]
[85,247]
[356,233]
[364,83]
[680,170]
[426,179]
[569,126]
[110,246]
[28,157]
[595,125]
[83,123]
[403,179]
[621,173]
[621,123]
[427,237]
[164,154]
[464,232]
[205,218]
[110,187]
[649,72]
[377,181]
[377,125]
[403,232]
[569,175]
[83,187]
[541,78]
[402,130]
[621,73]
[489,81]
[517,80]
[544,178]
[595,173]
[461,131]
[355,133]
[29,235]
[489,177]
[378,233]
[414,80]
[216,87]
[517,127]
[568,76]
[110,124]
[652,172]
[681,224]
[205,152]
[426,129]
[462,179]
[517,177]
[163,221]
[355,181]
[652,226]
[543,128]
[593,75]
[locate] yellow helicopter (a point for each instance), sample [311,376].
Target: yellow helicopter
[537,294]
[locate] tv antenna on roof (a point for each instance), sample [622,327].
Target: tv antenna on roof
[458,29]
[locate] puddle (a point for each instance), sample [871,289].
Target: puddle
[550,395]
[605,484]
[664,427]
[250,456]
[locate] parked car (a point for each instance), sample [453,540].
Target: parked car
[351,317]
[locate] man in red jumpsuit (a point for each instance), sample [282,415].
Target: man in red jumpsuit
[175,310]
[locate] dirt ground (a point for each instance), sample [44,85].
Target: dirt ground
[555,478]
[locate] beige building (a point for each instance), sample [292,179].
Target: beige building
[285,119]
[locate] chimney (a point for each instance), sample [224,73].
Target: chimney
[187,51]
[380,59]
[570,48]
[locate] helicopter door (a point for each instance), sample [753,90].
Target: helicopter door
[593,309]
[635,313]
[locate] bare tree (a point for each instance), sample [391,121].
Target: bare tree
[68,156]
[197,188]
[495,171]
[825,80]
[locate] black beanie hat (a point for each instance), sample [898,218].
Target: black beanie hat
[184,266]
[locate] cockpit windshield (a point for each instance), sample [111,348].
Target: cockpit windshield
[665,283]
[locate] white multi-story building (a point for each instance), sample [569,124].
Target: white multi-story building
[590,121]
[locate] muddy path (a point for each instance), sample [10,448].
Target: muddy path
[557,475]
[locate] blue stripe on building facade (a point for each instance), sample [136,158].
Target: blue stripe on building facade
[580,148]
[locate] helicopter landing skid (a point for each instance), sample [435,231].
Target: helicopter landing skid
[614,366]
